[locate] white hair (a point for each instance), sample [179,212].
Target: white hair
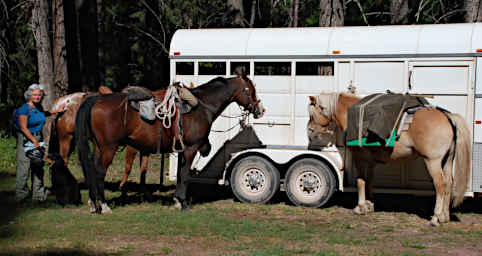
[328,101]
[33,87]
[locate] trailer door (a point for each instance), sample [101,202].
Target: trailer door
[447,84]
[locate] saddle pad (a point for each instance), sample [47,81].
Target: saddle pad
[374,117]
[390,142]
[136,93]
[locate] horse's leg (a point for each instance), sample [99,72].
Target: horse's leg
[65,142]
[442,189]
[182,177]
[447,169]
[364,170]
[130,156]
[101,170]
[144,158]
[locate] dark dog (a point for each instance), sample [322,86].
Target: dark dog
[64,184]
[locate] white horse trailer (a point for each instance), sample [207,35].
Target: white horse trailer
[440,62]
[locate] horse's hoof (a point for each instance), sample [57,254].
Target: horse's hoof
[92,207]
[357,210]
[177,204]
[434,222]
[370,207]
[365,208]
[105,208]
[180,204]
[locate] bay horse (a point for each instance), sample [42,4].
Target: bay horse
[111,122]
[431,136]
[64,126]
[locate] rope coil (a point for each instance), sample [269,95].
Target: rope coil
[167,108]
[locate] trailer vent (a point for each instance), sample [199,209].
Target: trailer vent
[477,168]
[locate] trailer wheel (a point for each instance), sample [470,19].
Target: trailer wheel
[254,180]
[309,183]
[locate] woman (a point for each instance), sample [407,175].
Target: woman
[31,120]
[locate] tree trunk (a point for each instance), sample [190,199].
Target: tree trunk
[253,13]
[332,13]
[473,11]
[44,53]
[236,11]
[61,79]
[400,12]
[295,12]
[89,50]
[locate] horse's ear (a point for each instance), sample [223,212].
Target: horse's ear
[240,72]
[312,100]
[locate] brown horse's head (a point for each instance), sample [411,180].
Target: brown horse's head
[246,97]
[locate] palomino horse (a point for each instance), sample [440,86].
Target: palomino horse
[111,122]
[65,130]
[430,136]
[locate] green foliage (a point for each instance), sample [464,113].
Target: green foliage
[20,69]
[7,155]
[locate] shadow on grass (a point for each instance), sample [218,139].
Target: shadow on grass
[421,206]
[134,193]
[54,252]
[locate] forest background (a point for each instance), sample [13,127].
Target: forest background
[78,45]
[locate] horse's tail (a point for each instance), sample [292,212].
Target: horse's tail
[463,158]
[82,135]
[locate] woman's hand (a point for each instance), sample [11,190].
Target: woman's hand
[62,108]
[59,110]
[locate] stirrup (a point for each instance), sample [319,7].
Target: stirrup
[174,146]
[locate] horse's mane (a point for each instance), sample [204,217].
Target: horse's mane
[218,80]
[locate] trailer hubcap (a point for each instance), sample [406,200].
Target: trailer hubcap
[308,183]
[254,180]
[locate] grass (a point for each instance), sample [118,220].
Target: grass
[216,225]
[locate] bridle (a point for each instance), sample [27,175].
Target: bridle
[252,105]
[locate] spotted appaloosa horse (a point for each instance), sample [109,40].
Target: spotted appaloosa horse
[111,122]
[430,136]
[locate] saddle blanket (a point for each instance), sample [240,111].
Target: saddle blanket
[374,119]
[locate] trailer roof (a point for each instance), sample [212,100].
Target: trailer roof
[370,40]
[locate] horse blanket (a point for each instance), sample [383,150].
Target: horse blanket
[375,117]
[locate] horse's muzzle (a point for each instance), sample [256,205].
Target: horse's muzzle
[258,111]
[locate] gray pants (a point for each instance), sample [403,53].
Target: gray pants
[23,168]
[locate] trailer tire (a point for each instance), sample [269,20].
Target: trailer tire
[309,183]
[254,180]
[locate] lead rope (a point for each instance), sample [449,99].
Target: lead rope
[167,108]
